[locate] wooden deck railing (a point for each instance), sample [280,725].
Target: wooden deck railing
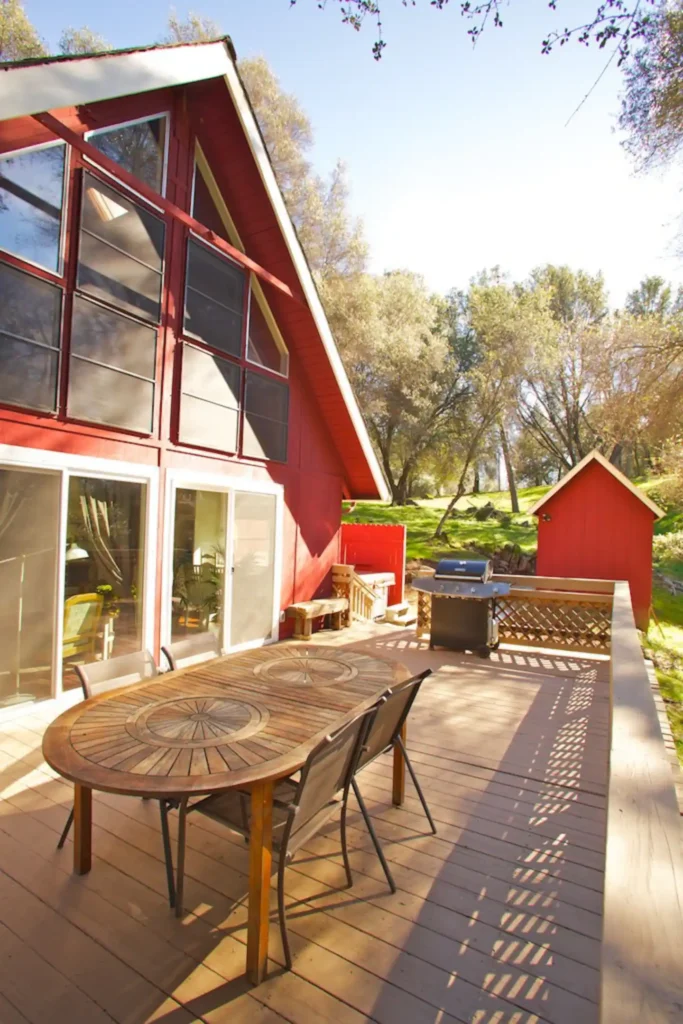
[642,967]
[347,583]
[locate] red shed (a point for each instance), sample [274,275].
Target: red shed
[595,524]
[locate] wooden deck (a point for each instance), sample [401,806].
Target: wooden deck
[497,919]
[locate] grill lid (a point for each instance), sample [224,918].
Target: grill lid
[475,590]
[478,570]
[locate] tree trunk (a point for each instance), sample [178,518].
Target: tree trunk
[476,483]
[615,454]
[509,469]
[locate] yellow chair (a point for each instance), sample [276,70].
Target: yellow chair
[82,614]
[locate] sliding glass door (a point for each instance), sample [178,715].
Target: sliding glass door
[221,570]
[29,539]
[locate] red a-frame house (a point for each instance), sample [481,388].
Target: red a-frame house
[176,427]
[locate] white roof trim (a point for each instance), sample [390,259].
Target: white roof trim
[33,88]
[303,272]
[595,456]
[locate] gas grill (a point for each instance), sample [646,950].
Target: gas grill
[463,605]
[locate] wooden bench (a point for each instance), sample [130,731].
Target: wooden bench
[304,612]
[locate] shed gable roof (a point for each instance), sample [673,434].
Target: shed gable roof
[595,456]
[32,87]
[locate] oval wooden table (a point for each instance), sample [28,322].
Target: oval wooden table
[239,721]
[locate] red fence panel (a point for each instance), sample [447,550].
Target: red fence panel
[376,547]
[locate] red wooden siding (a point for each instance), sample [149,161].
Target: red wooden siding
[598,529]
[376,547]
[325,460]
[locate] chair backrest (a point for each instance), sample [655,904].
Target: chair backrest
[101,676]
[392,712]
[192,650]
[82,614]
[329,768]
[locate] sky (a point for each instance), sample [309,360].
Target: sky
[459,157]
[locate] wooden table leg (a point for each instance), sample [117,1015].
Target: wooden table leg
[260,859]
[399,780]
[82,829]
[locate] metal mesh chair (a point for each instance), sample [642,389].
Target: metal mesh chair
[192,650]
[384,734]
[300,809]
[100,677]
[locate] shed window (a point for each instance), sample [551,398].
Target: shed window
[31,200]
[121,251]
[214,299]
[111,377]
[139,148]
[266,409]
[30,317]
[209,403]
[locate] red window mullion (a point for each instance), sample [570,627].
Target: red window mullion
[73,210]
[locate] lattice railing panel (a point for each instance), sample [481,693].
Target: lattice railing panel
[584,624]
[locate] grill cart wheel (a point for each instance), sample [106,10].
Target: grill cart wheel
[494,647]
[484,651]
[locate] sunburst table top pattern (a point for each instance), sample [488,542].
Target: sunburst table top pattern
[228,722]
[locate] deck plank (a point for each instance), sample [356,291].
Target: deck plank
[497,918]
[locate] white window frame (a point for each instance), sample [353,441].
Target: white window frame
[230,486]
[166,114]
[67,466]
[61,255]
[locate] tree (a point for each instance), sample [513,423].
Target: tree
[18,37]
[621,21]
[405,367]
[652,108]
[194,29]
[82,41]
[653,297]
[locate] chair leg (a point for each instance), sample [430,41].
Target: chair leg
[69,823]
[168,855]
[282,914]
[413,776]
[345,851]
[375,840]
[180,871]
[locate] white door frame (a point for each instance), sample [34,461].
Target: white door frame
[228,485]
[67,465]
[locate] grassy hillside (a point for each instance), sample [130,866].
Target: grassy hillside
[463,534]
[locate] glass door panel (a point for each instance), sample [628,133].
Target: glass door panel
[198,562]
[104,572]
[253,577]
[29,532]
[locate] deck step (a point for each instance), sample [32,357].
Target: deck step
[401,614]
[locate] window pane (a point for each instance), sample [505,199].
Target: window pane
[139,148]
[104,582]
[121,250]
[115,340]
[214,300]
[210,377]
[29,525]
[28,374]
[204,209]
[264,438]
[198,562]
[266,397]
[206,424]
[31,196]
[262,347]
[107,396]
[29,308]
[30,312]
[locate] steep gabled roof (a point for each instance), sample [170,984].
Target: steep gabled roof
[44,84]
[595,456]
